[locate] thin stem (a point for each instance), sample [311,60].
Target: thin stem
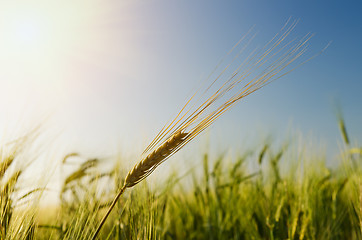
[109,211]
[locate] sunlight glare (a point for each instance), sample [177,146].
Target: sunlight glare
[46,48]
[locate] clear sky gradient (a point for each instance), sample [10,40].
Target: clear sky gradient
[107,75]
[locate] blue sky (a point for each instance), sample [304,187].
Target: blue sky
[188,38]
[122,69]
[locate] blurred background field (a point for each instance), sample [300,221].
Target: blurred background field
[271,191]
[85,86]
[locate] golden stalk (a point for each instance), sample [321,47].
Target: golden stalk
[258,69]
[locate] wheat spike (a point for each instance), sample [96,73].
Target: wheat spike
[260,67]
[155,158]
[145,167]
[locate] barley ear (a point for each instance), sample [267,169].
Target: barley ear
[155,158]
[145,167]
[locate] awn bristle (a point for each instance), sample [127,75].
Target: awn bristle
[260,67]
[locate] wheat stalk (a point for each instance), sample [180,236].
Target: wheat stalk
[258,69]
[145,167]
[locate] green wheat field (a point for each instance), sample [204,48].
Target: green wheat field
[80,81]
[306,200]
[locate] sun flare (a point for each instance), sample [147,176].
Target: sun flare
[42,37]
[46,46]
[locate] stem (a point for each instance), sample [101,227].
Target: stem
[109,211]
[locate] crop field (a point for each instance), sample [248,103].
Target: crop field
[100,102]
[306,200]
